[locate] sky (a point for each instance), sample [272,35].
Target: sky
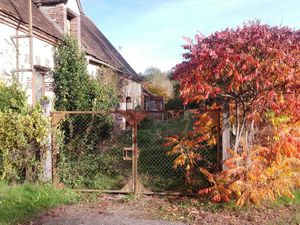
[150,32]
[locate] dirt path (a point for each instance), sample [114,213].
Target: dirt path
[120,210]
[109,211]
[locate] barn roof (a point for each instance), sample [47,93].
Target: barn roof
[19,10]
[98,46]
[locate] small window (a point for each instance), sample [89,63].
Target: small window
[71,16]
[39,86]
[68,24]
[128,103]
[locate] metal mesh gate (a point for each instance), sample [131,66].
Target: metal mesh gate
[123,151]
[90,150]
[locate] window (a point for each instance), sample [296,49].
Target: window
[68,24]
[146,102]
[70,21]
[128,103]
[39,86]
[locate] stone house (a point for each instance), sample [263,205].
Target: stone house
[29,58]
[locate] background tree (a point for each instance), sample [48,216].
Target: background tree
[159,82]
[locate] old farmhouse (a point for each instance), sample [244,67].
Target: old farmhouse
[27,54]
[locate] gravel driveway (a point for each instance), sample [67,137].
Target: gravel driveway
[108,212]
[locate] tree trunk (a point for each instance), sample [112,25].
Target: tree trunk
[225,132]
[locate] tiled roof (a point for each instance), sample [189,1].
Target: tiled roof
[19,10]
[97,45]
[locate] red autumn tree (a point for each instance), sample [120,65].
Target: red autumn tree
[256,71]
[254,68]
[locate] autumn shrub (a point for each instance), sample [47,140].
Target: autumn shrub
[259,173]
[252,74]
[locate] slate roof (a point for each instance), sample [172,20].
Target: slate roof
[97,45]
[19,10]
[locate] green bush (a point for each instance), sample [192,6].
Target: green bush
[22,134]
[92,161]
[12,98]
[22,138]
[71,77]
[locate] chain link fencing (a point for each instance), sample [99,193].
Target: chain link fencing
[156,169]
[89,151]
[96,150]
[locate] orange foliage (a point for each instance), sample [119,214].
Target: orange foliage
[261,173]
[187,146]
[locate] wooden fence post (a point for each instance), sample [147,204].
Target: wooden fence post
[225,132]
[47,163]
[56,117]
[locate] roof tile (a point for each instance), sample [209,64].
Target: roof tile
[19,10]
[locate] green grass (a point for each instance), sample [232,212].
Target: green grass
[19,203]
[287,201]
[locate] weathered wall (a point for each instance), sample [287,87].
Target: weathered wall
[58,14]
[42,56]
[130,89]
[134,91]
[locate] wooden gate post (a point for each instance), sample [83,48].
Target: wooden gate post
[56,118]
[47,159]
[134,118]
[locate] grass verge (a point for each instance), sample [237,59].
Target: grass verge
[19,203]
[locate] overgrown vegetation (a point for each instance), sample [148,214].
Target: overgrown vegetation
[20,203]
[99,164]
[22,136]
[88,156]
[156,162]
[254,71]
